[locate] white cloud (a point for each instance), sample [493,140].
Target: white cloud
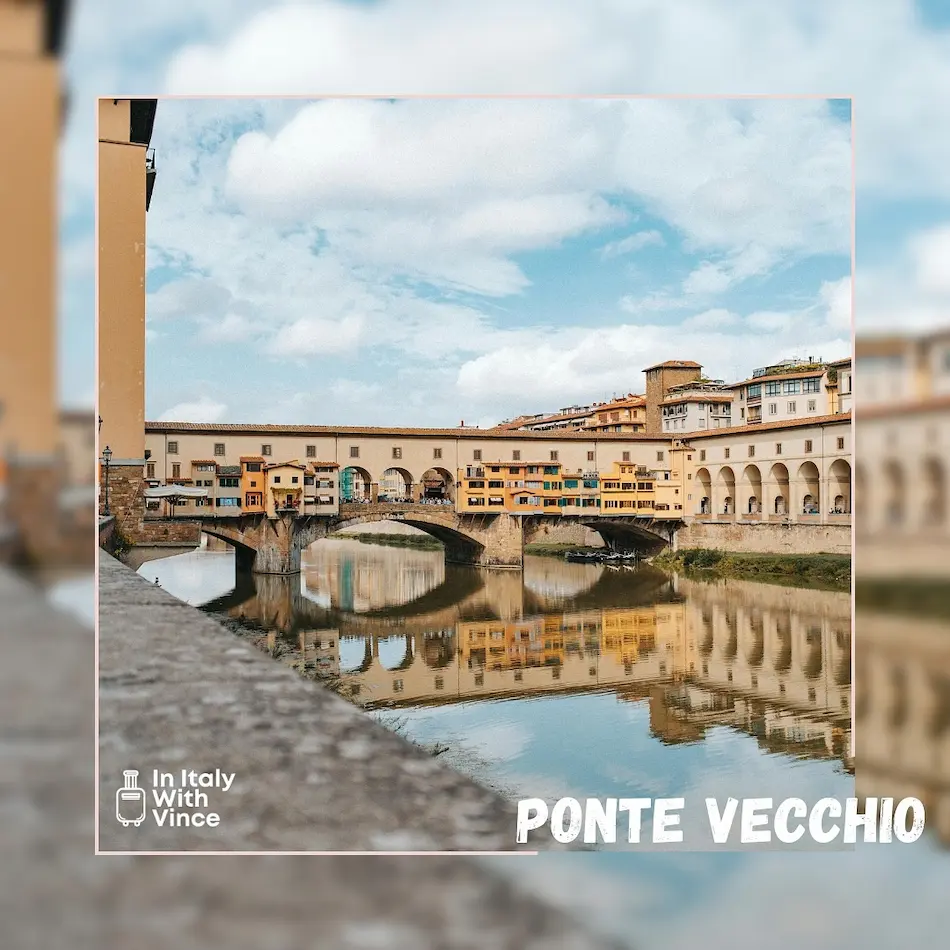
[719,318]
[311,336]
[450,189]
[835,295]
[930,252]
[586,363]
[633,242]
[200,410]
[705,47]
[911,291]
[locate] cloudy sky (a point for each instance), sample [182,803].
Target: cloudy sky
[423,262]
[494,249]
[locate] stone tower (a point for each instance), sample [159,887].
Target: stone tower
[660,377]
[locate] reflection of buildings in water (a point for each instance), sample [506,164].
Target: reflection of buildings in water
[310,652]
[902,713]
[776,666]
[555,578]
[366,579]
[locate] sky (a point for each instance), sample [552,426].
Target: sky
[424,262]
[548,314]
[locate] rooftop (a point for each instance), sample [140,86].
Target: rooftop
[235,428]
[798,374]
[697,397]
[675,364]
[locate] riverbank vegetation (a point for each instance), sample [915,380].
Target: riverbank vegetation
[923,598]
[829,571]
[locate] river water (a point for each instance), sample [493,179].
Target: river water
[569,679]
[581,680]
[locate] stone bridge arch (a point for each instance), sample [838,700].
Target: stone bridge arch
[244,554]
[266,545]
[482,539]
[397,484]
[461,547]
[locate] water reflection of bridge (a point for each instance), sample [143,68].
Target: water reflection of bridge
[770,661]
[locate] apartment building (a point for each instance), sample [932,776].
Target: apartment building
[787,390]
[627,414]
[697,405]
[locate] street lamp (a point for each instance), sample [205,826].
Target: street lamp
[107,457]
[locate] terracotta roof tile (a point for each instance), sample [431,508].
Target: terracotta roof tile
[235,428]
[908,409]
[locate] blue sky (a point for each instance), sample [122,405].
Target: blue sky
[424,262]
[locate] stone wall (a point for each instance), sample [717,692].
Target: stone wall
[554,532]
[765,538]
[43,524]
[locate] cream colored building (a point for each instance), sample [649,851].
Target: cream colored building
[773,471]
[696,407]
[902,513]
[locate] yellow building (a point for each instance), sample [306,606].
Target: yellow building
[515,487]
[284,488]
[580,493]
[621,415]
[671,488]
[252,483]
[486,485]
[627,490]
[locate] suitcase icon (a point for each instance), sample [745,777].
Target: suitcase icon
[130,801]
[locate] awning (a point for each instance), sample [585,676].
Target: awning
[326,499]
[176,491]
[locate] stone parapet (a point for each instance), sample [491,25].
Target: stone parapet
[313,772]
[399,902]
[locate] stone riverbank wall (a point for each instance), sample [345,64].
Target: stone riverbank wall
[765,538]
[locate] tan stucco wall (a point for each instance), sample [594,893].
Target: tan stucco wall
[21,31]
[121,266]
[30,120]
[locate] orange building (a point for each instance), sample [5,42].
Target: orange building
[252,483]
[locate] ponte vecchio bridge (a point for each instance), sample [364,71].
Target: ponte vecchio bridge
[266,545]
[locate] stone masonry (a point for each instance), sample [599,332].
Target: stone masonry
[56,892]
[765,538]
[313,772]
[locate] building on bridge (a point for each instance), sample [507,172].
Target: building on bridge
[252,483]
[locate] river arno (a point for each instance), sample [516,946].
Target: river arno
[568,679]
[619,733]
